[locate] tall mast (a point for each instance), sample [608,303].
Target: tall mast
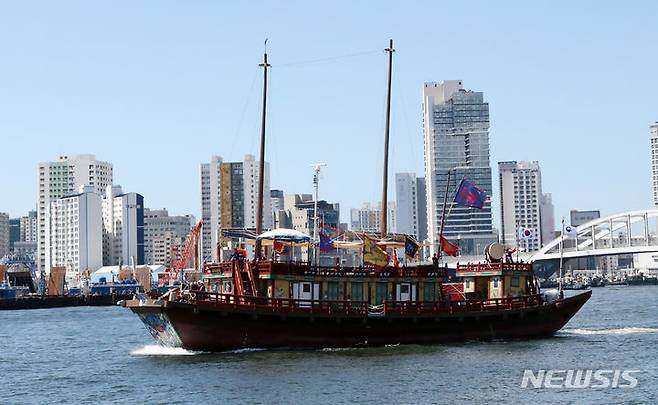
[443,214]
[561,275]
[261,168]
[384,213]
[316,217]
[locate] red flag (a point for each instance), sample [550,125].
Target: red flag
[449,248]
[279,247]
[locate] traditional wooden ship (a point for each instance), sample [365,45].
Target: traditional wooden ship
[278,301]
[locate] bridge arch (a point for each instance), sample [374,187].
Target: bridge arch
[597,237]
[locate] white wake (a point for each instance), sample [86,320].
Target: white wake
[157,350]
[616,331]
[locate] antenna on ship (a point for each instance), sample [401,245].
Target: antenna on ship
[384,212]
[261,167]
[316,184]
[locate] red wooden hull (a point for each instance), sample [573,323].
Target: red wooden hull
[212,329]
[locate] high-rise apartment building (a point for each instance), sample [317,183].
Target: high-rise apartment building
[547,214]
[456,133]
[60,178]
[4,235]
[653,138]
[23,234]
[164,233]
[300,209]
[277,201]
[14,232]
[421,189]
[76,233]
[229,195]
[28,227]
[166,248]
[410,199]
[368,218]
[123,227]
[520,201]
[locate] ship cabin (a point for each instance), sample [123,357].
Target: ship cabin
[286,281]
[302,284]
[497,280]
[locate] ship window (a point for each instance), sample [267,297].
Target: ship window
[514,282]
[429,292]
[332,290]
[495,282]
[357,291]
[404,289]
[381,293]
[306,288]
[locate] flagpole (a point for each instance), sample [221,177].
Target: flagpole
[561,257]
[443,215]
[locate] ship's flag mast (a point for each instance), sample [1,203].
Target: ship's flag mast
[261,168]
[384,207]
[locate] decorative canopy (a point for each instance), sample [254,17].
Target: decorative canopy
[284,234]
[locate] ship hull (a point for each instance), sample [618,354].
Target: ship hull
[211,329]
[60,301]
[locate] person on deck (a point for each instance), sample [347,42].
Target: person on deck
[435,261]
[508,255]
[239,255]
[396,261]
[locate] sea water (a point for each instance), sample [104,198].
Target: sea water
[105,355]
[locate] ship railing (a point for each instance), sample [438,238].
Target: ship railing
[267,267]
[492,304]
[284,305]
[496,266]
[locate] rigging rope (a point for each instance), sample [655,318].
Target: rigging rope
[329,59]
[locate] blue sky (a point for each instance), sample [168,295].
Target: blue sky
[156,87]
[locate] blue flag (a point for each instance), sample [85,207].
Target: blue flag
[469,195]
[410,247]
[326,244]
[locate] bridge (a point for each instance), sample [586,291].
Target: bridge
[620,234]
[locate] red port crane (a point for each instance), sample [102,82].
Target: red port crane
[190,251]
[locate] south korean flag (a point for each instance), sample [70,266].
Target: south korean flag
[527,234]
[569,232]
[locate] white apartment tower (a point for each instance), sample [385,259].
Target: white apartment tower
[456,139]
[28,227]
[123,227]
[76,233]
[410,211]
[520,200]
[368,218]
[653,132]
[229,195]
[547,214]
[60,178]
[210,207]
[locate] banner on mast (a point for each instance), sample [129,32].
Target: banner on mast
[326,244]
[449,248]
[469,195]
[410,247]
[373,254]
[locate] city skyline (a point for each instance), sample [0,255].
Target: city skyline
[176,114]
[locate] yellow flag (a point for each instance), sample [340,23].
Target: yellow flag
[373,254]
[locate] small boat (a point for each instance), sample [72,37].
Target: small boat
[642,279]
